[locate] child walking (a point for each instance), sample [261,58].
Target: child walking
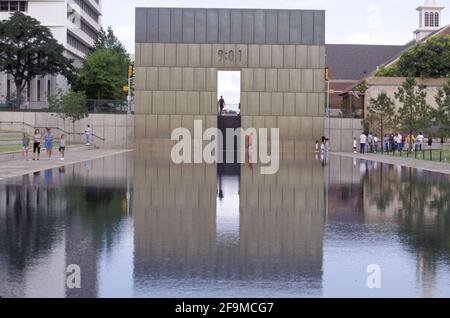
[49,143]
[62,146]
[25,146]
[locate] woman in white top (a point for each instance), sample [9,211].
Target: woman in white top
[36,144]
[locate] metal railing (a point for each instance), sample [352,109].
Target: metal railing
[93,106]
[51,127]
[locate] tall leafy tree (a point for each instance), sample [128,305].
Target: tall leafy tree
[103,75]
[104,71]
[108,40]
[415,114]
[442,113]
[381,111]
[427,59]
[70,106]
[28,49]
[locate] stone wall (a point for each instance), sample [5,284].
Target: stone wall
[109,130]
[390,85]
[280,54]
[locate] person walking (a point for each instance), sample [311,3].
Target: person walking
[411,141]
[395,143]
[375,143]
[25,146]
[355,147]
[430,141]
[49,143]
[87,132]
[386,142]
[362,143]
[420,139]
[62,146]
[399,142]
[36,144]
[370,142]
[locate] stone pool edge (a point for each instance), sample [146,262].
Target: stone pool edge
[437,167]
[20,167]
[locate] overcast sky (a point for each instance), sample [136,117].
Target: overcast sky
[347,21]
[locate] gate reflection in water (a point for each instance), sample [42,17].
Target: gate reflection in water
[139,225]
[227,230]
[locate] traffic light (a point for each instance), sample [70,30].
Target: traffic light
[327,74]
[130,71]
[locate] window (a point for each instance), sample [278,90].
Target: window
[23,6]
[74,42]
[8,89]
[49,88]
[39,90]
[12,6]
[93,34]
[87,8]
[28,91]
[4,6]
[436,19]
[427,19]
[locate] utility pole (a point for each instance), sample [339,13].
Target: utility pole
[327,79]
[130,76]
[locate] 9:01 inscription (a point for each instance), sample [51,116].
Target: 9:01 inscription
[230,56]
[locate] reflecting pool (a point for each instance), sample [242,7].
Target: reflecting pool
[140,226]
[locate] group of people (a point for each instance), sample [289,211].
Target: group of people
[390,143]
[323,145]
[48,144]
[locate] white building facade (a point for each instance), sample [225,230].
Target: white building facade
[74,24]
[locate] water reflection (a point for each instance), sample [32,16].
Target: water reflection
[207,231]
[139,225]
[58,217]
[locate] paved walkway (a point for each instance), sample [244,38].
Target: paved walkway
[400,161]
[15,168]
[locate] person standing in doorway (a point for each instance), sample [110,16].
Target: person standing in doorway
[221,104]
[36,144]
[362,143]
[25,146]
[88,135]
[49,143]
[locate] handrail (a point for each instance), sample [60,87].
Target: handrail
[51,127]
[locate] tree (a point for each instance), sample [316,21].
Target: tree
[415,114]
[426,59]
[103,75]
[381,112]
[104,71]
[70,106]
[28,49]
[108,40]
[442,113]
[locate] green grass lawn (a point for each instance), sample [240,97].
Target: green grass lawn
[9,148]
[435,155]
